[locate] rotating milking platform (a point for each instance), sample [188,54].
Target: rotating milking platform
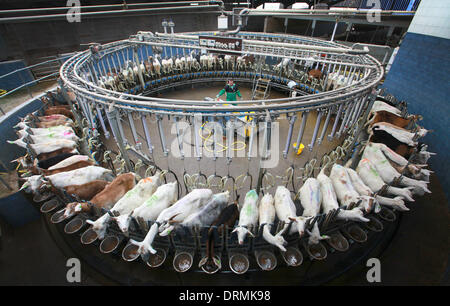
[308,118]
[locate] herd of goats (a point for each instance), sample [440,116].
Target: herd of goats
[390,172]
[154,67]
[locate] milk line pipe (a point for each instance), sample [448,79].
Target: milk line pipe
[113,117]
[351,119]
[102,122]
[357,111]
[301,130]
[137,143]
[269,136]
[336,120]
[350,115]
[316,130]
[251,138]
[147,134]
[344,120]
[214,141]
[325,126]
[161,135]
[266,136]
[198,152]
[180,141]
[370,100]
[289,136]
[119,124]
[91,115]
[230,137]
[110,124]
[86,111]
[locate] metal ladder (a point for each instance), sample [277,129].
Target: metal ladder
[261,90]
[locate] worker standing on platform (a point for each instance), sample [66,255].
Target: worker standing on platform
[231,90]
[293,86]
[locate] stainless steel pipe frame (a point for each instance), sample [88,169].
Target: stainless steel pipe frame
[369,68]
[359,72]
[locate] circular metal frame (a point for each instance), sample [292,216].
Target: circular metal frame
[73,73]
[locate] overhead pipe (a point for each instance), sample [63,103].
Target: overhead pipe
[279,44]
[239,21]
[64,8]
[102,13]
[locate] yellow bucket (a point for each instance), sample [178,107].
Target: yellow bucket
[300,149]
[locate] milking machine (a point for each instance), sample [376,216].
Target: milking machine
[138,108]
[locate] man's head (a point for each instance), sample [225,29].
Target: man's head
[230,82]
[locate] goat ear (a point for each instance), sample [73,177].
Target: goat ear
[235,229]
[202,262]
[292,219]
[251,234]
[171,221]
[89,222]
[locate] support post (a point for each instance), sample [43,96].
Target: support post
[334,30]
[112,114]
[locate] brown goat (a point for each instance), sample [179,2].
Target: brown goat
[47,124]
[108,196]
[315,73]
[44,156]
[384,116]
[77,165]
[59,110]
[88,190]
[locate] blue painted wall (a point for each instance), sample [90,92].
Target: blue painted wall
[420,76]
[15,80]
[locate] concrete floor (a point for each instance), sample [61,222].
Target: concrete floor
[240,163]
[13,100]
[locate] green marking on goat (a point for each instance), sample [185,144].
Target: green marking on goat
[152,200]
[249,210]
[251,194]
[375,172]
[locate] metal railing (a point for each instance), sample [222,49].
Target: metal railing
[59,60]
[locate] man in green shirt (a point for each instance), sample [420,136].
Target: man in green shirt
[231,90]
